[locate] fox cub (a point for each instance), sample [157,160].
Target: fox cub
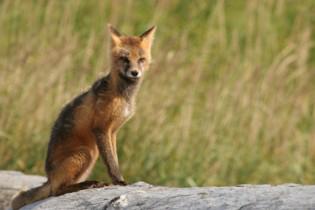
[88,125]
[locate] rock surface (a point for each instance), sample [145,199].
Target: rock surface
[144,196]
[12,182]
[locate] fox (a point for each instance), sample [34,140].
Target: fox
[87,127]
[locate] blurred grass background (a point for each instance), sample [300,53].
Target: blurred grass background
[229,99]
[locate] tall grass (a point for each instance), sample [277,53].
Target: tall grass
[229,99]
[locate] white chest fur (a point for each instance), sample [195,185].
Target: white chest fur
[127,111]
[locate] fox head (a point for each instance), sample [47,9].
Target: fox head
[130,55]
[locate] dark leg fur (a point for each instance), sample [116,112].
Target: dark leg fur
[103,141]
[80,186]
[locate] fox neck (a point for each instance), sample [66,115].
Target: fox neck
[124,86]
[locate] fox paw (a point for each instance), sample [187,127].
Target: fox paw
[98,185]
[121,183]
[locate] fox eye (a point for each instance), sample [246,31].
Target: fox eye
[124,60]
[141,60]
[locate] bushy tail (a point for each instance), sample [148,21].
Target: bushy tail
[30,196]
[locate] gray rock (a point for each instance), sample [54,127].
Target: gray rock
[144,196]
[12,182]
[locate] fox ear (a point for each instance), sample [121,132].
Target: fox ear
[147,38]
[115,35]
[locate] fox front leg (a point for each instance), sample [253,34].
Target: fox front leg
[106,149]
[114,149]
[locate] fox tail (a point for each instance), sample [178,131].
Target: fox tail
[30,196]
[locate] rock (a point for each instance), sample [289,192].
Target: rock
[12,182]
[144,196]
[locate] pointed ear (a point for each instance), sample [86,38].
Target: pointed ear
[147,38]
[115,35]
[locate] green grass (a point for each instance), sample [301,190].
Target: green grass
[229,98]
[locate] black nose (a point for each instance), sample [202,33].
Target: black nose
[134,73]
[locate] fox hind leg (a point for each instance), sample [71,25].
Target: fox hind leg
[80,186]
[71,170]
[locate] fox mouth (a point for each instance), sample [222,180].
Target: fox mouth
[133,74]
[128,77]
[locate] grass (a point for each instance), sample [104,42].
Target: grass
[229,99]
